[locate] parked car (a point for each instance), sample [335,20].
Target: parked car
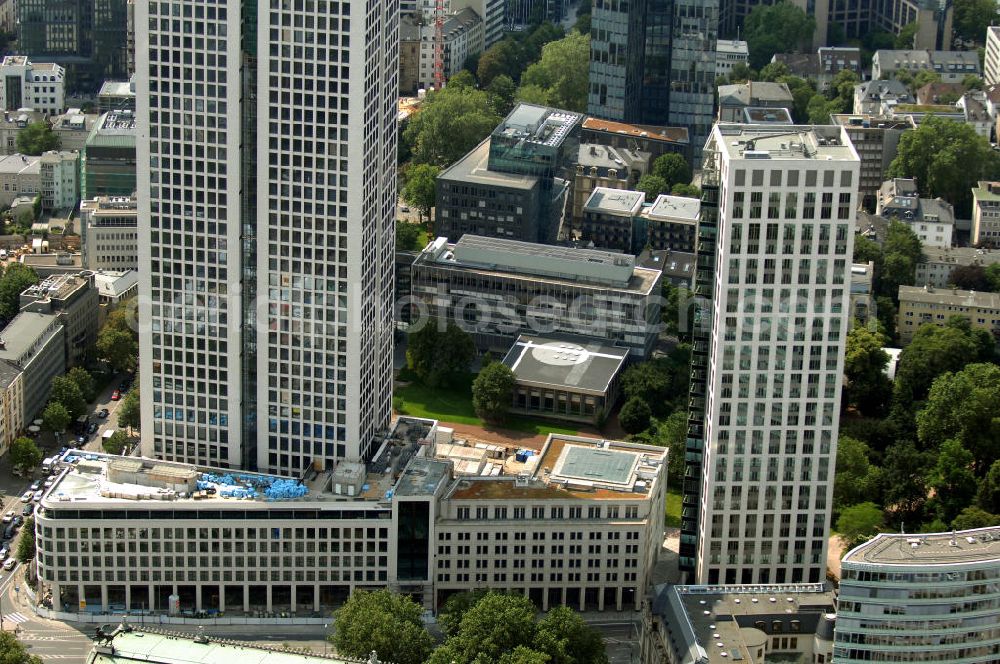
[4,553]
[9,564]
[102,413]
[18,520]
[92,429]
[36,485]
[37,496]
[8,517]
[81,441]
[116,395]
[49,482]
[26,497]
[28,510]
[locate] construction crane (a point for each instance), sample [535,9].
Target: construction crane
[439,44]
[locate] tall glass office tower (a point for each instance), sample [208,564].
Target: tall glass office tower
[267,187]
[653,62]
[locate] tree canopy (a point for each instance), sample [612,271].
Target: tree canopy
[777,28]
[56,417]
[409,237]
[673,169]
[115,443]
[933,351]
[559,78]
[84,381]
[502,628]
[868,387]
[859,523]
[13,651]
[437,356]
[947,159]
[450,123]
[37,138]
[24,453]
[26,541]
[118,343]
[973,17]
[652,186]
[420,189]
[382,621]
[856,479]
[661,382]
[634,415]
[492,391]
[65,391]
[952,479]
[129,415]
[964,408]
[16,277]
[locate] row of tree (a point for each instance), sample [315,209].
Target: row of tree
[479,627]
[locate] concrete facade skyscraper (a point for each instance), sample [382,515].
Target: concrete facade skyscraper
[267,189]
[779,320]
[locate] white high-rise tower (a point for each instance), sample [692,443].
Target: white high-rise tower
[779,312]
[267,189]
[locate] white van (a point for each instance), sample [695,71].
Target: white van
[49,464]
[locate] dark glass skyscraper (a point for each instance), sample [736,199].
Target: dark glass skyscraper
[87,37]
[653,62]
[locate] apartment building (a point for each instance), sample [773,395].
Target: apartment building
[607,167]
[932,219]
[652,140]
[728,54]
[771,384]
[39,86]
[73,127]
[35,344]
[11,125]
[937,263]
[463,37]
[498,289]
[59,180]
[669,223]
[11,404]
[684,624]
[926,304]
[116,96]
[266,231]
[109,233]
[73,300]
[952,66]
[929,597]
[734,99]
[870,97]
[579,522]
[876,140]
[607,219]
[823,65]
[991,59]
[986,214]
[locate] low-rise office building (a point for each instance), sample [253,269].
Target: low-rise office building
[932,219]
[500,289]
[34,343]
[37,85]
[579,523]
[823,65]
[862,291]
[920,305]
[107,163]
[986,214]
[463,36]
[928,597]
[752,624]
[677,267]
[937,263]
[561,378]
[74,301]
[114,289]
[728,54]
[109,233]
[515,183]
[59,180]
[48,264]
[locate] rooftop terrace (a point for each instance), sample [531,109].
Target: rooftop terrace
[572,467]
[962,547]
[564,363]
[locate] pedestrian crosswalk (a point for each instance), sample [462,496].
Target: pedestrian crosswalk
[15,618]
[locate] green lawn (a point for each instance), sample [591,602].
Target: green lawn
[453,404]
[673,510]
